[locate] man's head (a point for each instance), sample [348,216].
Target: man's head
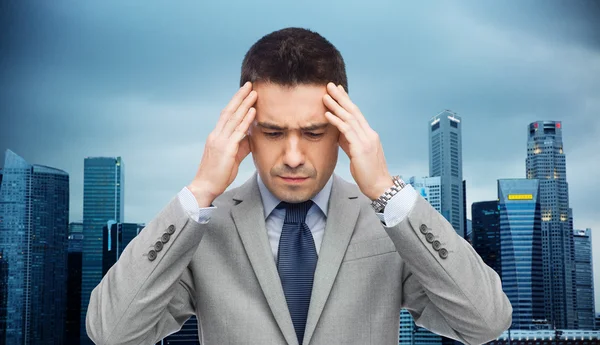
[291,136]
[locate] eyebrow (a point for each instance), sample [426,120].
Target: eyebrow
[272,126]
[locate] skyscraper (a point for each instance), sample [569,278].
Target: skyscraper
[409,333]
[34,211]
[546,162]
[445,160]
[73,313]
[430,188]
[115,237]
[485,236]
[521,249]
[102,202]
[584,278]
[466,230]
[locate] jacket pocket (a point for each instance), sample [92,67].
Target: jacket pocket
[369,248]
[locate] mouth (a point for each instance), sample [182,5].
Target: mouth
[293,179]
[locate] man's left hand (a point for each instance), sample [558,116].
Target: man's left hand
[360,142]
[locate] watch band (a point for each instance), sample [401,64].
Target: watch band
[380,203]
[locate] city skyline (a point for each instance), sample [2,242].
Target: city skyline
[147,83]
[34,210]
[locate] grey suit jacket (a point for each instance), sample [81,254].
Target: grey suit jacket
[224,273]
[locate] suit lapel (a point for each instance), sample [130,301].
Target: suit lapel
[248,216]
[341,220]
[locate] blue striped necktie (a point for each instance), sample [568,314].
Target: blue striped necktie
[296,262]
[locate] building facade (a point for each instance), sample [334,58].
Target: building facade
[73,313]
[103,188]
[584,278]
[430,188]
[548,337]
[445,161]
[546,162]
[115,237]
[34,221]
[521,250]
[485,236]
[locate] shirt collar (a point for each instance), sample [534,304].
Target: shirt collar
[270,201]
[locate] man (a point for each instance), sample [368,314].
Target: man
[296,255]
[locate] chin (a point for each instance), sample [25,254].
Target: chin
[295,199]
[295,196]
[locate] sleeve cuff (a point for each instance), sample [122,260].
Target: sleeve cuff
[399,206]
[190,205]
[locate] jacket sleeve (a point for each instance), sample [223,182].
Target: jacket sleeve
[149,292]
[447,288]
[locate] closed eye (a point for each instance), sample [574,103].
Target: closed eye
[314,135]
[272,134]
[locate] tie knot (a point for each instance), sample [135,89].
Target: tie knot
[295,213]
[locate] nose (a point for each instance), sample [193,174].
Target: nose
[293,155]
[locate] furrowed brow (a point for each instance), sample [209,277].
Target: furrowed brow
[268,125]
[315,126]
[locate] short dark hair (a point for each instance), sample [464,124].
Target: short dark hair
[294,56]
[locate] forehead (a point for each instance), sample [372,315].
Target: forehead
[290,106]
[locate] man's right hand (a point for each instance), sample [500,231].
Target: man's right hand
[225,148]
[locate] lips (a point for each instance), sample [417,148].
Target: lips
[293,179]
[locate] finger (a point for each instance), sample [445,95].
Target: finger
[239,115]
[240,131]
[233,104]
[341,97]
[344,115]
[337,109]
[344,128]
[344,144]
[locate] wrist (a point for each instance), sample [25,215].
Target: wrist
[381,188]
[380,202]
[203,196]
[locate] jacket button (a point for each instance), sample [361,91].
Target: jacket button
[443,253]
[151,255]
[158,246]
[437,245]
[429,237]
[423,228]
[171,229]
[165,238]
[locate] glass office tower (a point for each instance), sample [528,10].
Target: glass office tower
[34,222]
[445,160]
[102,202]
[521,249]
[584,278]
[115,237]
[485,236]
[546,162]
[73,313]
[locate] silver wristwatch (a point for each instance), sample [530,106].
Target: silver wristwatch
[379,203]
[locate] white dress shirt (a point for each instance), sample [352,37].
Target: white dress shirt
[395,211]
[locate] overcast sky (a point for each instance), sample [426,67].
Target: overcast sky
[146,81]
